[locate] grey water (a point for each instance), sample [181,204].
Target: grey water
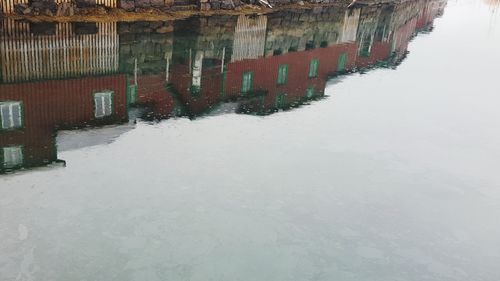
[324,144]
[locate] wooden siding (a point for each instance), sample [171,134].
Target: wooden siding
[350,27]
[249,37]
[25,56]
[7,6]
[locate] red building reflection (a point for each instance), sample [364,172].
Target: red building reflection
[75,76]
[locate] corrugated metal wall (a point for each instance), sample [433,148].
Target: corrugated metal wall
[63,103]
[53,104]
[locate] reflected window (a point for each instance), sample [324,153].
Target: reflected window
[103,102]
[342,62]
[282,74]
[280,101]
[132,94]
[366,46]
[43,28]
[310,45]
[12,156]
[11,115]
[85,28]
[313,68]
[310,92]
[247,82]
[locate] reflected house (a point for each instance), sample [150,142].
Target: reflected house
[403,24]
[201,47]
[300,54]
[260,59]
[374,34]
[410,18]
[385,31]
[74,75]
[402,36]
[146,56]
[282,80]
[428,12]
[38,95]
[268,62]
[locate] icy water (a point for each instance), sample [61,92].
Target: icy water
[327,144]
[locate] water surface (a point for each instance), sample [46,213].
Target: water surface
[329,144]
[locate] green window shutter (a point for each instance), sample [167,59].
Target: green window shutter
[282,74]
[132,94]
[313,68]
[247,82]
[223,86]
[310,92]
[342,62]
[365,49]
[280,101]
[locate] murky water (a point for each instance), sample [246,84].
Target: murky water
[324,144]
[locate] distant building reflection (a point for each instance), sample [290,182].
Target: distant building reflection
[76,75]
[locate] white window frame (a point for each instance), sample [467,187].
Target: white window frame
[100,98]
[6,109]
[12,156]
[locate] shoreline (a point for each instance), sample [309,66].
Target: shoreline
[117,14]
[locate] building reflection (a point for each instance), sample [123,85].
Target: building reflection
[71,76]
